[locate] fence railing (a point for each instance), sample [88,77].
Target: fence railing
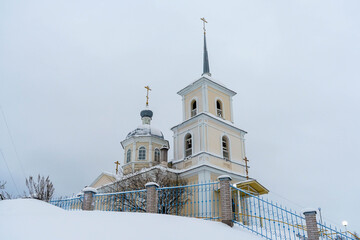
[197,200]
[263,217]
[332,233]
[266,218]
[74,203]
[273,221]
[130,201]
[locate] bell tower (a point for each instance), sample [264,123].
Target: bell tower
[207,137]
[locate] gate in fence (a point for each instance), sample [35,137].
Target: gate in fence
[210,201]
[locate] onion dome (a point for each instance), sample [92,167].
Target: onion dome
[146,113]
[145,129]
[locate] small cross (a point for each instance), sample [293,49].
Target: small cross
[117,166]
[204,21]
[246,168]
[147,95]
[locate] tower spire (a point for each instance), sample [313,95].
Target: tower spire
[206,68]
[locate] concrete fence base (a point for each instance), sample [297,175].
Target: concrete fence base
[151,197]
[225,200]
[88,202]
[311,225]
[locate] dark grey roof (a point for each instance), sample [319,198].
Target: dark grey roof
[146,113]
[206,67]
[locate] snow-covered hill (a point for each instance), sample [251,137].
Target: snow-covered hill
[33,219]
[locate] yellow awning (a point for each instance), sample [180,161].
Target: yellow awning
[252,186]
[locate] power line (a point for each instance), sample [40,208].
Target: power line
[302,207]
[7,166]
[13,143]
[295,203]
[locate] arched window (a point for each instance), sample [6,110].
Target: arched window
[225,147]
[142,153]
[128,156]
[157,155]
[193,108]
[188,145]
[219,109]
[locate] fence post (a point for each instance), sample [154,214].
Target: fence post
[311,225]
[88,202]
[225,200]
[151,197]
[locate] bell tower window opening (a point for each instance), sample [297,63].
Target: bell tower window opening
[225,147]
[157,155]
[219,110]
[128,156]
[193,108]
[142,153]
[188,145]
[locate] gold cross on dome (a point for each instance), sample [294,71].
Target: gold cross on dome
[147,95]
[204,21]
[117,166]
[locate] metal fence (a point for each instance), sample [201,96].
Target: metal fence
[330,233]
[202,200]
[273,221]
[129,201]
[196,200]
[74,203]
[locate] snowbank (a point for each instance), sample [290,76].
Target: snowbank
[33,219]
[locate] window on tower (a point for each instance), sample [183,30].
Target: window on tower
[225,147]
[193,108]
[128,156]
[157,155]
[142,153]
[219,109]
[188,145]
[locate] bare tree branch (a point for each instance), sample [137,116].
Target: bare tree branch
[170,201]
[3,194]
[42,189]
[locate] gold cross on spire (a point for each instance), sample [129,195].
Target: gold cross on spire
[147,95]
[246,168]
[117,166]
[204,21]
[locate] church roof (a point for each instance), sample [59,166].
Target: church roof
[195,118]
[210,81]
[145,130]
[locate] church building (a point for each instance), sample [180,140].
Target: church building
[206,143]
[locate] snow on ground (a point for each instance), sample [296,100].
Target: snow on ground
[32,219]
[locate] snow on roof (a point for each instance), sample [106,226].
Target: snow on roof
[229,123]
[216,82]
[305,210]
[144,170]
[89,189]
[224,176]
[162,168]
[151,184]
[50,222]
[109,174]
[118,176]
[145,130]
[209,78]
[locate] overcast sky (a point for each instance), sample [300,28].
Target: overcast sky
[72,77]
